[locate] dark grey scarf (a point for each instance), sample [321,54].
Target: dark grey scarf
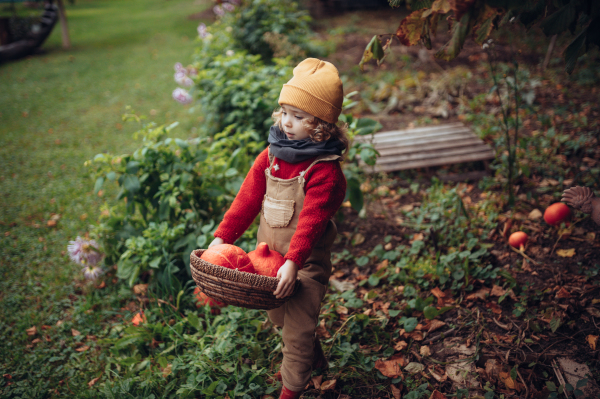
[294,151]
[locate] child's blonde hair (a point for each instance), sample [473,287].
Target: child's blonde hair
[320,130]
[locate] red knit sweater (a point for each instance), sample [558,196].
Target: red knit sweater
[325,189]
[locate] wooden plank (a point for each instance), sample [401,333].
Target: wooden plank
[415,131]
[405,136]
[426,146]
[429,162]
[436,154]
[394,149]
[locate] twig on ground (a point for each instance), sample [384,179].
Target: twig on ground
[504,326]
[448,333]
[559,376]
[523,254]
[525,385]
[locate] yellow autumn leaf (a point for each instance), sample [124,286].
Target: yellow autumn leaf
[566,253]
[592,340]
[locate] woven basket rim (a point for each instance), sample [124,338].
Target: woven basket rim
[259,282]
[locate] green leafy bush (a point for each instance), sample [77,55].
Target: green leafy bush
[272,28]
[173,191]
[239,91]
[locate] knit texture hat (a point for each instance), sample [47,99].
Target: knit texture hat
[316,88]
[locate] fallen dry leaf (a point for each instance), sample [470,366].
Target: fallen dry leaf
[82,348]
[592,340]
[497,291]
[140,289]
[51,223]
[407,208]
[593,311]
[400,345]
[416,335]
[396,392]
[437,395]
[74,332]
[341,309]
[36,341]
[534,215]
[438,293]
[563,293]
[138,318]
[166,371]
[317,380]
[481,294]
[509,382]
[493,368]
[328,385]
[358,239]
[495,308]
[417,237]
[31,331]
[391,368]
[434,325]
[94,381]
[425,351]
[414,367]
[566,253]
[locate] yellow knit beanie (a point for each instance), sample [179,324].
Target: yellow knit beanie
[316,88]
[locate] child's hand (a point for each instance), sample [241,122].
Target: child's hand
[216,241]
[287,273]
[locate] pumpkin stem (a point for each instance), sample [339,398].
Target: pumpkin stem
[262,250]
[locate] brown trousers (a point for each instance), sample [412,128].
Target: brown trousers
[299,315]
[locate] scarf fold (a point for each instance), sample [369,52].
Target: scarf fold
[294,151]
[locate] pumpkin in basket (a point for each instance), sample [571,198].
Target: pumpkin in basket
[265,261]
[229,256]
[203,299]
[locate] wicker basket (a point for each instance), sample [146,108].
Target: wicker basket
[233,287]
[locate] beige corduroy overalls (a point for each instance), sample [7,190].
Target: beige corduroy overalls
[280,212]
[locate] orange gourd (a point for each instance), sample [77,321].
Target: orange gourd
[265,261]
[229,256]
[518,239]
[203,299]
[557,213]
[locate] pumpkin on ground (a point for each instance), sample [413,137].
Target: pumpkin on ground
[518,239]
[265,261]
[229,256]
[202,299]
[557,213]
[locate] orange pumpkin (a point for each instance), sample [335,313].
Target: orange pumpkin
[557,213]
[229,256]
[203,299]
[518,239]
[265,261]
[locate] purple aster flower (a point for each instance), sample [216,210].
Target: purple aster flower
[202,30]
[182,96]
[92,272]
[182,79]
[218,10]
[75,249]
[228,7]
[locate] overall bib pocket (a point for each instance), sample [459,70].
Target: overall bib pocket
[277,213]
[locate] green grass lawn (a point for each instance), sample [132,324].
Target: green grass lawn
[58,109]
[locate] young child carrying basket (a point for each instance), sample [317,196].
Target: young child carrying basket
[297,186]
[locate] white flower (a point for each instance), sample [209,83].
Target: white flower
[218,10]
[179,67]
[229,53]
[84,252]
[182,79]
[92,272]
[512,19]
[182,96]
[228,7]
[202,30]
[485,45]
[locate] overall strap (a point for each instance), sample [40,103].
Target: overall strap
[271,158]
[321,158]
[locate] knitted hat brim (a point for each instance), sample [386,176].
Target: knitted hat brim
[299,98]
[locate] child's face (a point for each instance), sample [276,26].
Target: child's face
[291,122]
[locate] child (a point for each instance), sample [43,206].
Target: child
[297,185]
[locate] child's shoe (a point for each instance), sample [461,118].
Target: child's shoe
[287,394]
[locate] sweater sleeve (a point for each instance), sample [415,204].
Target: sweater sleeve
[324,193]
[247,203]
